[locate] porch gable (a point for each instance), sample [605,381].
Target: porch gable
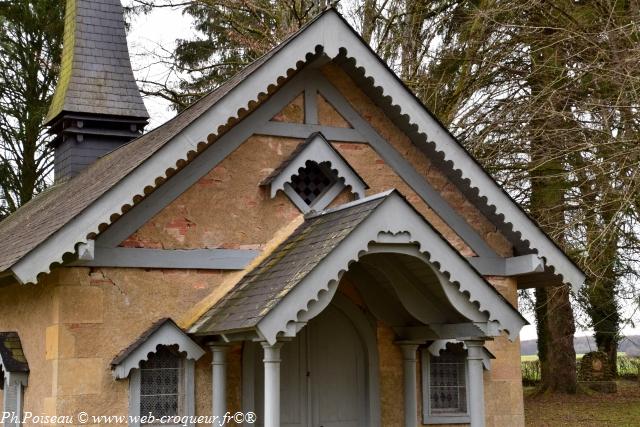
[299,278]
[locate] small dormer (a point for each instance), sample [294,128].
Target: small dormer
[314,175]
[96,106]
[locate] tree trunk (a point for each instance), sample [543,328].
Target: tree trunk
[554,313]
[547,172]
[602,304]
[560,356]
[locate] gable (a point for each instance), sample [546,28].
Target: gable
[227,208]
[135,170]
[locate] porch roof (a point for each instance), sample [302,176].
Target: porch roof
[263,287]
[261,290]
[163,332]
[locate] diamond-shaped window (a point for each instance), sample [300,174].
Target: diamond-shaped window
[313,180]
[314,175]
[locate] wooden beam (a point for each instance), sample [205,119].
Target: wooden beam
[205,259]
[302,131]
[512,266]
[405,170]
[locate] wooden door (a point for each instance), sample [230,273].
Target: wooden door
[337,372]
[323,375]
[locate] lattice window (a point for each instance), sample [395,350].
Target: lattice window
[162,384]
[444,391]
[448,384]
[313,180]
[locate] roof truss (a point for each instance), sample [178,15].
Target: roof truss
[107,253]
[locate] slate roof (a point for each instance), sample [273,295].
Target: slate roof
[140,340]
[95,72]
[11,353]
[38,219]
[267,284]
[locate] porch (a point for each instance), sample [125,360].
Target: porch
[309,316]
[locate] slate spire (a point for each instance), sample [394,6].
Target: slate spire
[96,106]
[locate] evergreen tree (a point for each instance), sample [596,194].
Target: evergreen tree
[30,49]
[231,34]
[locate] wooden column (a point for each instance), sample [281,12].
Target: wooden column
[476,382]
[219,382]
[409,364]
[271,384]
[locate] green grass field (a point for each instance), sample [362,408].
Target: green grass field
[587,408]
[578,356]
[584,410]
[529,358]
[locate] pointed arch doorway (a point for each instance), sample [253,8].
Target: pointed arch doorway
[329,372]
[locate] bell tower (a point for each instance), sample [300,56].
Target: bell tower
[97,106]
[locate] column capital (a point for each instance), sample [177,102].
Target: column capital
[277,345]
[409,349]
[475,349]
[219,353]
[272,351]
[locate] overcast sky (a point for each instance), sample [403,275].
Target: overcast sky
[158,31]
[155,33]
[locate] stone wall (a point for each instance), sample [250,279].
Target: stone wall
[79,319]
[27,310]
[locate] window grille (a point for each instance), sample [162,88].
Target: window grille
[313,180]
[162,384]
[447,384]
[445,395]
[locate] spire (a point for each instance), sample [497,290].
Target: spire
[96,106]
